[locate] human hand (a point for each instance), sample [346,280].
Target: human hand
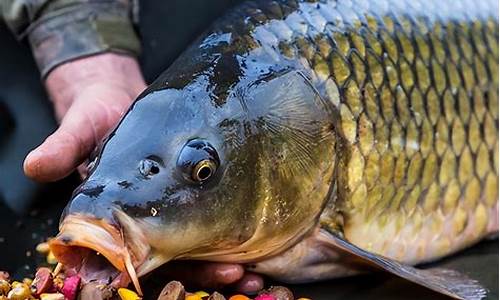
[90,95]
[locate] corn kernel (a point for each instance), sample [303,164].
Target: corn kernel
[202,294]
[193,297]
[51,259]
[126,294]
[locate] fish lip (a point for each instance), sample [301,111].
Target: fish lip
[85,232]
[75,231]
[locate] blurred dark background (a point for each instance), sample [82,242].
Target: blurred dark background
[26,118]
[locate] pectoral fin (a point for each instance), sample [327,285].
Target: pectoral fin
[445,281]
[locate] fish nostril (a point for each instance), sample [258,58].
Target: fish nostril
[148,167]
[155,170]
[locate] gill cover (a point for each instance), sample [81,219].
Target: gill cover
[284,149]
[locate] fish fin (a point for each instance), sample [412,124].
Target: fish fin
[444,281]
[309,260]
[286,109]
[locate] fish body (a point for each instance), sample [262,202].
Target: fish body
[296,135]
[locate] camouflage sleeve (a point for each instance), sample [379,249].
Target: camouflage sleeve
[63,30]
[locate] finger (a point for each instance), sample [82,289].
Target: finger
[55,158]
[205,274]
[251,283]
[85,123]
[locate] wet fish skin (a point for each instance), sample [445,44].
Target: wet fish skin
[418,118]
[415,88]
[417,110]
[412,136]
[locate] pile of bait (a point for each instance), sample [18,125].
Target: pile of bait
[45,286]
[53,284]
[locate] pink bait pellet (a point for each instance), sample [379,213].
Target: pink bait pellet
[265,297]
[71,287]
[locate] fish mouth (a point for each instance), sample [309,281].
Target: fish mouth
[99,251]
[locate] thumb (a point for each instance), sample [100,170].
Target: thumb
[85,123]
[56,157]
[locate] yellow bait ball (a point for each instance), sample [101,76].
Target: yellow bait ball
[52,296]
[42,248]
[20,292]
[51,259]
[126,294]
[4,287]
[202,294]
[15,284]
[27,281]
[193,297]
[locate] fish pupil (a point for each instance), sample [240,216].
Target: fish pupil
[204,172]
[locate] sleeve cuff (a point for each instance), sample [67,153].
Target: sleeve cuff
[82,31]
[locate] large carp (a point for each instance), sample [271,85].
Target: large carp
[308,140]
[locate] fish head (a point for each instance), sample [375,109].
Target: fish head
[184,176]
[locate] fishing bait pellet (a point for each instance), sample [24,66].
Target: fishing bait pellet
[193,297]
[202,294]
[4,287]
[239,297]
[52,296]
[265,297]
[126,294]
[19,291]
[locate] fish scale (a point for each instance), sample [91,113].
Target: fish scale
[393,203]
[415,89]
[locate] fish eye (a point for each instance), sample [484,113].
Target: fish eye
[198,161]
[148,167]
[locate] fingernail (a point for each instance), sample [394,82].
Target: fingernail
[31,162]
[35,165]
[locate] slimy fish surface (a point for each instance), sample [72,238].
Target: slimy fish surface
[308,140]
